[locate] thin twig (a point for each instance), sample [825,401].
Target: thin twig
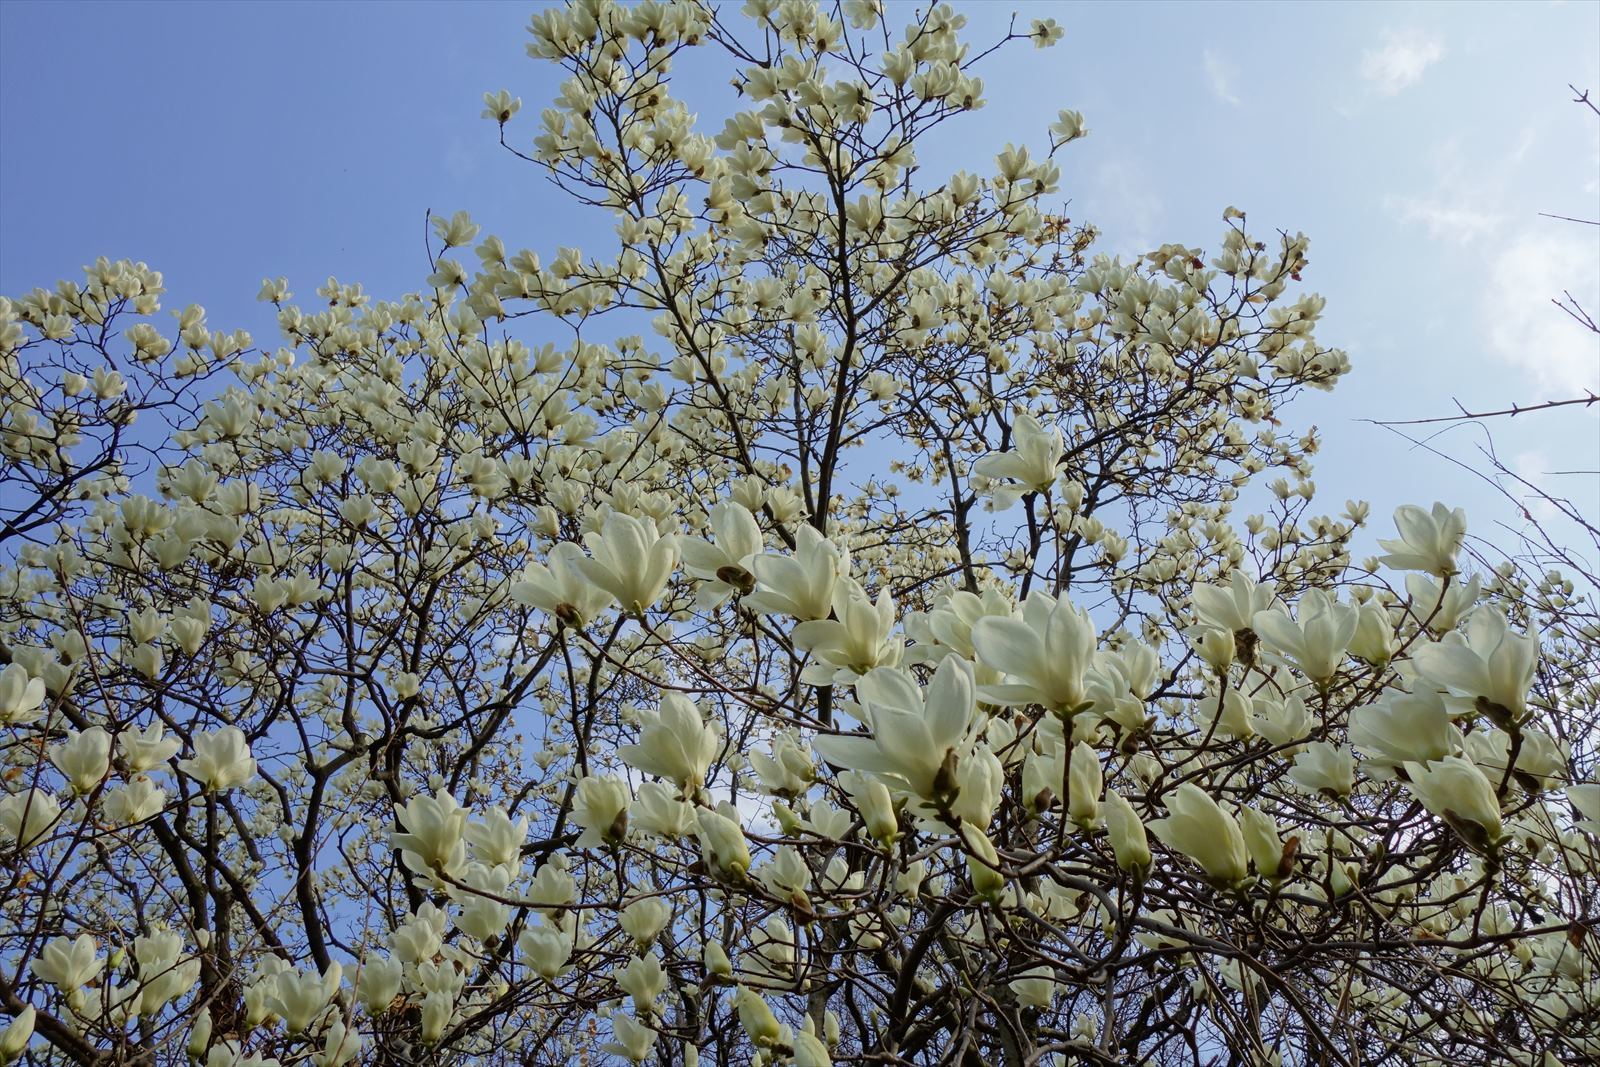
[1513,411]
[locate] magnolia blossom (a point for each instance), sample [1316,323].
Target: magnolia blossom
[724,563]
[1454,789]
[18,1032]
[1316,638]
[68,963]
[1200,829]
[1441,603]
[221,759]
[138,800]
[1084,782]
[918,737]
[1491,663]
[799,586]
[20,695]
[547,948]
[27,817]
[630,560]
[143,750]
[1324,768]
[633,1041]
[300,997]
[1043,654]
[723,840]
[560,587]
[1404,727]
[1429,541]
[1127,834]
[854,642]
[421,550]
[1031,464]
[1263,841]
[675,743]
[432,839]
[85,759]
[1233,607]
[601,808]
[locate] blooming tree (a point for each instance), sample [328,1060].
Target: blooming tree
[843,645]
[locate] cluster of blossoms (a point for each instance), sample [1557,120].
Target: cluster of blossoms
[873,668]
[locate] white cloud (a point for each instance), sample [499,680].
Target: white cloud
[1220,74]
[1523,328]
[1533,467]
[1123,199]
[1400,60]
[1446,219]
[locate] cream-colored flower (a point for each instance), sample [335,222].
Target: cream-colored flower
[1200,829]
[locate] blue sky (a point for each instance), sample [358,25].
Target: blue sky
[1415,144]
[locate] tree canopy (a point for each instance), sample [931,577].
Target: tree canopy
[848,643]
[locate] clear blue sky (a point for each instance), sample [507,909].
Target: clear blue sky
[1414,143]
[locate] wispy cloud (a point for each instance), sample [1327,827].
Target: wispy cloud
[1220,74]
[1400,60]
[1453,220]
[1559,354]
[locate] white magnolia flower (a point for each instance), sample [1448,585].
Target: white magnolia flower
[134,802]
[756,1017]
[799,586]
[559,588]
[722,840]
[432,838]
[1316,638]
[1375,639]
[1043,654]
[659,811]
[633,1040]
[1036,987]
[644,918]
[1541,760]
[1491,663]
[20,695]
[918,737]
[27,817]
[548,949]
[340,1045]
[856,640]
[84,758]
[1031,464]
[1200,829]
[1585,799]
[1128,840]
[1429,541]
[145,749]
[1262,841]
[1457,791]
[18,1032]
[496,840]
[379,982]
[600,806]
[1404,728]
[68,964]
[675,743]
[1441,603]
[300,997]
[1084,781]
[221,759]
[1234,606]
[630,560]
[1323,767]
[724,563]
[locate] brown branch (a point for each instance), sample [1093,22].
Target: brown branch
[1512,411]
